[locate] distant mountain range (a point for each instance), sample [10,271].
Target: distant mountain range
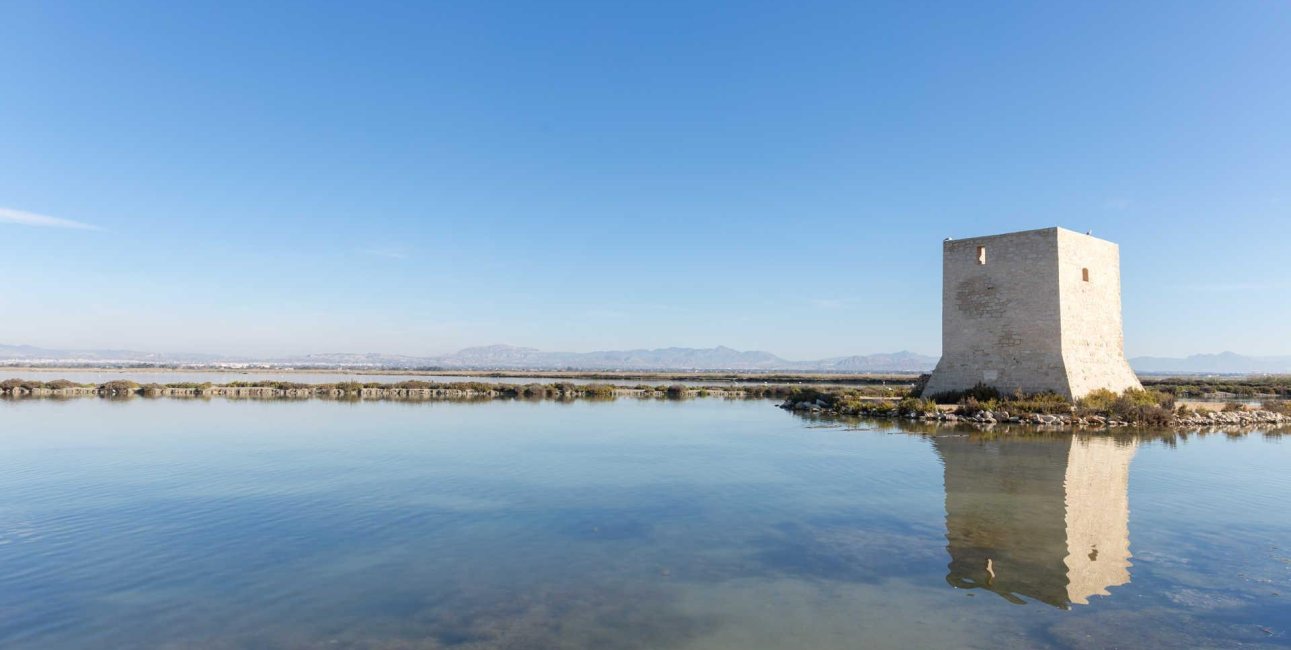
[1224,363]
[509,357]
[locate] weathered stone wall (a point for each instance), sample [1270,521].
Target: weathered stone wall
[1000,321]
[1093,347]
[1026,319]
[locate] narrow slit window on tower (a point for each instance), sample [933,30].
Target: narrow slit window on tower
[981,254]
[1084,275]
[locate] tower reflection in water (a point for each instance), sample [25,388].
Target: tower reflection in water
[1042,518]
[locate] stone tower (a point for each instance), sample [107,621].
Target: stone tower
[1038,310]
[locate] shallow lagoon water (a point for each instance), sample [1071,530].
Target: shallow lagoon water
[703,524]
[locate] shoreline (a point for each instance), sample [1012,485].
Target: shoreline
[814,404]
[401,391]
[734,376]
[945,415]
[1206,388]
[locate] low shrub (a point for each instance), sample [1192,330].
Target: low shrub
[414,384]
[279,385]
[767,390]
[917,406]
[1152,416]
[970,406]
[118,387]
[810,394]
[26,384]
[599,391]
[1144,397]
[1144,407]
[1097,401]
[980,393]
[1045,403]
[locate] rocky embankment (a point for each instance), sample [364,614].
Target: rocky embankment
[986,417]
[1233,418]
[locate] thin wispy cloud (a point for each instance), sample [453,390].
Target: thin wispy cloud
[9,215]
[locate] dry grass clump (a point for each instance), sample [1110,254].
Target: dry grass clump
[1146,407]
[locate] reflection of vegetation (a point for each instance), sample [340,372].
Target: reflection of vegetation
[1168,436]
[404,390]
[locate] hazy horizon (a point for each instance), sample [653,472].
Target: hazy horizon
[254,357]
[299,178]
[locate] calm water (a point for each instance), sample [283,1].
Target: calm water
[700,524]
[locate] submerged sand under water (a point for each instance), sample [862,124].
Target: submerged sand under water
[704,524]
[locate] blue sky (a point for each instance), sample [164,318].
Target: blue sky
[415,177]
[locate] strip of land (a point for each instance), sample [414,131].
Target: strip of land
[981,405]
[859,379]
[1102,408]
[402,390]
[1181,386]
